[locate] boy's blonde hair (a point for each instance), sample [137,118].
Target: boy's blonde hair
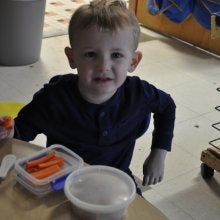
[106,15]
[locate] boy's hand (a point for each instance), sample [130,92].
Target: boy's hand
[6,127]
[153,167]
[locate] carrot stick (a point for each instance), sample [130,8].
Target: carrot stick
[46,172]
[43,159]
[8,122]
[59,161]
[55,160]
[32,169]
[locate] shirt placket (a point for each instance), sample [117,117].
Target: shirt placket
[104,129]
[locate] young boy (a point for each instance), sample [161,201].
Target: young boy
[100,111]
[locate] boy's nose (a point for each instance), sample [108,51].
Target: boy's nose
[103,64]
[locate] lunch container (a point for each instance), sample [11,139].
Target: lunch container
[99,192]
[53,182]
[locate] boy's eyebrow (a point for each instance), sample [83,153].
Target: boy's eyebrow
[93,48]
[118,48]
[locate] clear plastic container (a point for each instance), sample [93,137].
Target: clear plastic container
[99,192]
[55,181]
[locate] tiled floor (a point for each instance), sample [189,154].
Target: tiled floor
[58,14]
[191,77]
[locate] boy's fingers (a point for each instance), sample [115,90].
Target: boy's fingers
[160,178]
[156,180]
[4,134]
[151,181]
[1,120]
[145,180]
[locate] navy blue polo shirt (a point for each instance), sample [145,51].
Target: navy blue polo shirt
[103,134]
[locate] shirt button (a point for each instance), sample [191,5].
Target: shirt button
[102,114]
[104,133]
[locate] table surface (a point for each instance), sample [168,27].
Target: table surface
[18,203]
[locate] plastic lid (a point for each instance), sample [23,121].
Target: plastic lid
[100,189]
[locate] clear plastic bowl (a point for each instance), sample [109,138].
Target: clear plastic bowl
[99,192]
[43,186]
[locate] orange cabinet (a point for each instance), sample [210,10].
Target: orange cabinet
[189,30]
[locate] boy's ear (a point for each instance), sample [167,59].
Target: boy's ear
[69,54]
[135,61]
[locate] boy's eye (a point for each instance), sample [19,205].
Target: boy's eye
[116,55]
[90,54]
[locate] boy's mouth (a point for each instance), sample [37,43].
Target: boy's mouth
[102,79]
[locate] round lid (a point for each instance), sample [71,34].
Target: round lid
[100,188]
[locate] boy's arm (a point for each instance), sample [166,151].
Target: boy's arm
[153,167]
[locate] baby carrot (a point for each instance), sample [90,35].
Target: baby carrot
[32,169]
[59,161]
[43,159]
[8,121]
[46,172]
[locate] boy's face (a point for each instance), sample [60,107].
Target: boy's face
[102,60]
